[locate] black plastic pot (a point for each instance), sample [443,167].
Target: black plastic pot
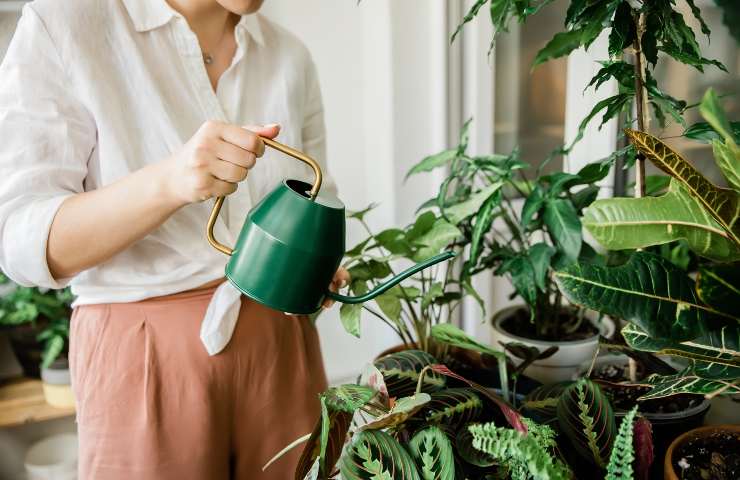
[26,348]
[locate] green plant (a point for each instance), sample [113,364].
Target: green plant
[49,310]
[670,312]
[623,452]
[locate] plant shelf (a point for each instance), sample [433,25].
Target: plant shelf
[22,402]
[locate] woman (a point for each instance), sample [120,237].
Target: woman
[119,119]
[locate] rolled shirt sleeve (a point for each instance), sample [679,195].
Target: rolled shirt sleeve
[47,139]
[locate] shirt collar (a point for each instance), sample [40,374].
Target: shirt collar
[150,14]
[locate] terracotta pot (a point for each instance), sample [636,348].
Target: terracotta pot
[668,472]
[560,366]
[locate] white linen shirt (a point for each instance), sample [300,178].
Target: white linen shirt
[92,90]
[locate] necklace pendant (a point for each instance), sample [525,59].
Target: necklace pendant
[207,58]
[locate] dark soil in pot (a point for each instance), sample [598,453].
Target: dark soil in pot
[715,456]
[519,324]
[484,371]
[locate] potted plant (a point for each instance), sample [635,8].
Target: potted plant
[55,363]
[25,312]
[422,420]
[706,452]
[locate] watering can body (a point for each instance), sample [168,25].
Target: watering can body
[292,243]
[289,249]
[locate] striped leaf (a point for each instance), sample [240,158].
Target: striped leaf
[432,451]
[347,398]
[453,406]
[375,455]
[587,419]
[401,372]
[402,410]
[648,291]
[630,223]
[325,443]
[715,355]
[722,203]
[687,382]
[541,403]
[719,286]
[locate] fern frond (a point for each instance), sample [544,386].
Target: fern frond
[525,456]
[623,452]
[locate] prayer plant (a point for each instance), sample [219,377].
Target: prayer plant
[409,417]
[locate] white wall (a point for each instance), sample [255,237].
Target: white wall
[383,76]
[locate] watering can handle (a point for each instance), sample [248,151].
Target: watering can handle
[298,155]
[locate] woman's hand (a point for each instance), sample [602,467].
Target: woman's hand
[341,280]
[213,161]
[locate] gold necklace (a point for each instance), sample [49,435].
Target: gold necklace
[207,57]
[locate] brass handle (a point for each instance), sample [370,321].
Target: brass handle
[220,200]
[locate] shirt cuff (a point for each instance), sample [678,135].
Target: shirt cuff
[25,238]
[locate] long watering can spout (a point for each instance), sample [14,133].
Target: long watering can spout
[383,287]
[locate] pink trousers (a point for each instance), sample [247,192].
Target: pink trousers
[151,403]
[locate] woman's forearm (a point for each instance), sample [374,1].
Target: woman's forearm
[91,227]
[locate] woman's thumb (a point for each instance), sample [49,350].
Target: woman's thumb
[270,130]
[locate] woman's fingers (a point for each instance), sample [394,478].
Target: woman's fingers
[341,279]
[229,152]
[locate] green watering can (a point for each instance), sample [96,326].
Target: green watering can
[291,245]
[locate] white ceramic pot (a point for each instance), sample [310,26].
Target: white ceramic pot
[56,386]
[53,458]
[570,355]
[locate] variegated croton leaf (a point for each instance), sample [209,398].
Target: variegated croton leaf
[722,203]
[401,372]
[719,286]
[648,291]
[374,454]
[587,419]
[688,381]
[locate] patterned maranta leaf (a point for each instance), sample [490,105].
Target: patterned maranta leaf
[432,451]
[348,397]
[453,406]
[541,403]
[374,454]
[401,372]
[722,203]
[587,419]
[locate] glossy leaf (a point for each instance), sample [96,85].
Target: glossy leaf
[719,286]
[401,372]
[727,157]
[374,454]
[703,132]
[328,437]
[632,223]
[714,114]
[586,418]
[715,355]
[564,227]
[723,204]
[686,382]
[432,451]
[483,221]
[540,254]
[648,291]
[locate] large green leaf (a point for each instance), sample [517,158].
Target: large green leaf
[433,161]
[714,356]
[722,203]
[564,227]
[719,286]
[630,223]
[432,451]
[375,455]
[727,157]
[648,291]
[587,419]
[433,241]
[726,152]
[349,315]
[401,372]
[460,211]
[452,335]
